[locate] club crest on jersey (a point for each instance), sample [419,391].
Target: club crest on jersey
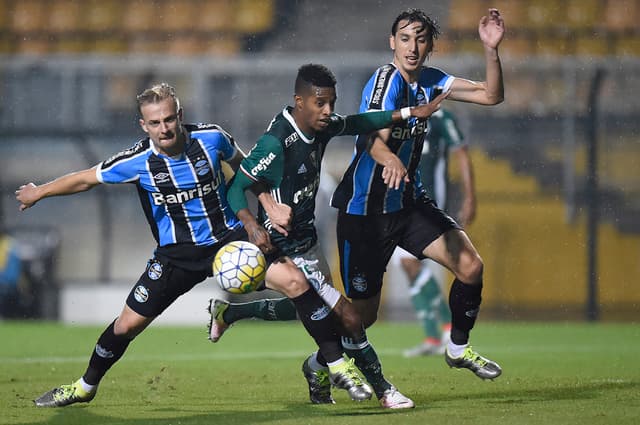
[155,270]
[359,283]
[161,177]
[202,167]
[141,294]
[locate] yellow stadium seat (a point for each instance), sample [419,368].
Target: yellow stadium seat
[254,16]
[222,45]
[628,46]
[4,15]
[177,16]
[139,16]
[592,46]
[32,46]
[464,15]
[214,15]
[545,14]
[102,15]
[556,45]
[622,15]
[109,44]
[583,14]
[514,12]
[70,45]
[517,46]
[28,16]
[64,16]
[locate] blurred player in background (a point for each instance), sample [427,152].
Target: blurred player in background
[381,201]
[287,160]
[426,277]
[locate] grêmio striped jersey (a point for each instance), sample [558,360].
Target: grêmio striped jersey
[362,190]
[289,162]
[184,199]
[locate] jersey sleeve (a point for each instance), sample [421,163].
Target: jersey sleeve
[123,167]
[265,161]
[360,123]
[382,91]
[217,140]
[435,81]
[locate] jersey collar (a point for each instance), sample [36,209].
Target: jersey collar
[289,118]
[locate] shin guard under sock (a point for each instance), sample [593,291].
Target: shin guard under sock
[464,302]
[315,315]
[108,350]
[366,359]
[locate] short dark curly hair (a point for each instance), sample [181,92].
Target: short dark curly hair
[314,75]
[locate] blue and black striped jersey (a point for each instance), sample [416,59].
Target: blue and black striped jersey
[362,190]
[184,198]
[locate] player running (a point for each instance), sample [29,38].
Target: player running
[381,204]
[287,159]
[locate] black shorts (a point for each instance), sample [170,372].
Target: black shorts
[160,285]
[366,243]
[173,271]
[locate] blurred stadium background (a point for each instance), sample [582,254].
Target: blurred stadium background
[557,164]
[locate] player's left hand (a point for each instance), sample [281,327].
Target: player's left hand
[280,215]
[491,29]
[467,212]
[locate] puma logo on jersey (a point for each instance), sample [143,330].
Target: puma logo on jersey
[263,164]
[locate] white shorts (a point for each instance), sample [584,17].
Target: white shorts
[317,271]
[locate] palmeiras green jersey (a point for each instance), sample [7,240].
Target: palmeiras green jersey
[289,162]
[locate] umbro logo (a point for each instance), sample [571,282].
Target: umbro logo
[161,177]
[302,169]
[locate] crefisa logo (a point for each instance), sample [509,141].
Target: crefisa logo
[141,294]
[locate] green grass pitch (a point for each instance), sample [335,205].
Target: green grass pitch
[554,373]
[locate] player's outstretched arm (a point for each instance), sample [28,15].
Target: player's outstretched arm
[367,122]
[491,91]
[68,184]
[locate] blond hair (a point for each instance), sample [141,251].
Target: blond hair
[157,93]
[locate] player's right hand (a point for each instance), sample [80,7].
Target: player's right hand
[426,110]
[27,196]
[394,172]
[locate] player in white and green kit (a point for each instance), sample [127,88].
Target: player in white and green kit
[287,160]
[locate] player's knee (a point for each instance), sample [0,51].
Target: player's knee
[288,279]
[472,269]
[349,318]
[127,328]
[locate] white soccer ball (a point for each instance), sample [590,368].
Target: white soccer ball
[239,267]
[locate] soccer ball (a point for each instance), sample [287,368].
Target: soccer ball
[239,267]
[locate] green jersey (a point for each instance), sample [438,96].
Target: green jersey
[443,135]
[289,162]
